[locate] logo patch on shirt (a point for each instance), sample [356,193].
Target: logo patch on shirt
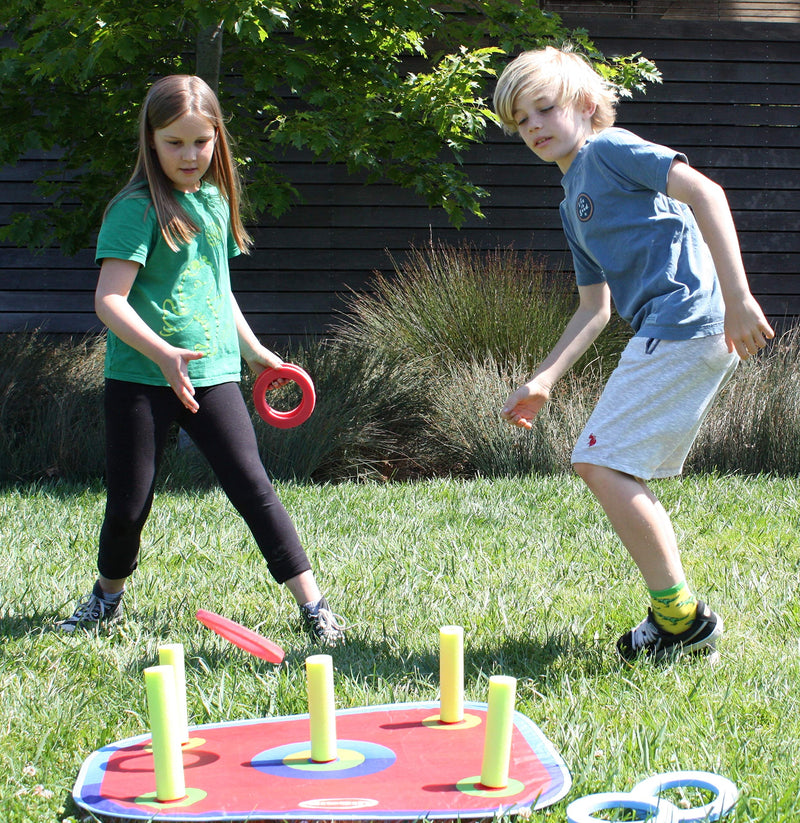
[584,207]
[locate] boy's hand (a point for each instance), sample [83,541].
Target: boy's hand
[746,328]
[525,403]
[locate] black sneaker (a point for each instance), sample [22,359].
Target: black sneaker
[652,641]
[92,611]
[321,624]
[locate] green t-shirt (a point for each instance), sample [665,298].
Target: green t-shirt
[184,296]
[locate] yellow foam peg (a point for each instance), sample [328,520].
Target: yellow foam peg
[451,674]
[321,707]
[499,728]
[171,654]
[167,755]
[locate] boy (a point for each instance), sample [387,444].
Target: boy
[657,237]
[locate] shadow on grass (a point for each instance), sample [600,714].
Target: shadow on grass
[525,660]
[17,626]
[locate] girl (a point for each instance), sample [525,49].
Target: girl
[176,337]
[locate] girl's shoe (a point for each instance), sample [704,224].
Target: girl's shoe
[92,611]
[321,624]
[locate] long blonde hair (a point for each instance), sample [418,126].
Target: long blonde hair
[168,99]
[566,75]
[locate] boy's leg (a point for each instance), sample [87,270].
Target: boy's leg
[676,619]
[643,427]
[640,521]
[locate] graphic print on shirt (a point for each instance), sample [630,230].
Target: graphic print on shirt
[584,207]
[196,302]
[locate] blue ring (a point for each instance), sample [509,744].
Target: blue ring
[582,809]
[376,759]
[725,793]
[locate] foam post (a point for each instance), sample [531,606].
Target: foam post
[499,728]
[321,708]
[451,674]
[167,755]
[171,654]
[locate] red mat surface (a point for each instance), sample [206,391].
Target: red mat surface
[394,762]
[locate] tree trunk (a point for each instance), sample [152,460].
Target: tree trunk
[209,54]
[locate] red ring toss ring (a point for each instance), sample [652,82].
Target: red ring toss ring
[295,416]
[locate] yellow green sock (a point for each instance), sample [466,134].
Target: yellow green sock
[675,608]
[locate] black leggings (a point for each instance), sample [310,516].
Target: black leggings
[138,420]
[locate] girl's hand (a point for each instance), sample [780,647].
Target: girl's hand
[277,382]
[525,403]
[260,359]
[174,366]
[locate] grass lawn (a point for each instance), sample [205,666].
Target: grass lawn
[530,569]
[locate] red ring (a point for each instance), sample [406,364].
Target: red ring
[297,415]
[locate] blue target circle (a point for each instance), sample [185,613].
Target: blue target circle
[358,759]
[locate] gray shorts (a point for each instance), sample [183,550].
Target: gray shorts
[653,405]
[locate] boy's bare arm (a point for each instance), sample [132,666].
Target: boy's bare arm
[746,328]
[594,311]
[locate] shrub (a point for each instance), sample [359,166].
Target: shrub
[464,433]
[409,385]
[470,325]
[50,407]
[450,306]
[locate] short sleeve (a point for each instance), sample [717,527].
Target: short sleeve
[129,230]
[636,163]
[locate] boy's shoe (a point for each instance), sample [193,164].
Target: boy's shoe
[321,624]
[92,611]
[650,640]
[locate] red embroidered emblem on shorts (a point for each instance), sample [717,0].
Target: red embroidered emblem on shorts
[592,440]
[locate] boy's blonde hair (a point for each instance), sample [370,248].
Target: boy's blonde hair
[168,99]
[562,74]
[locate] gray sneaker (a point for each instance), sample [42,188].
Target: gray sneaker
[321,624]
[92,611]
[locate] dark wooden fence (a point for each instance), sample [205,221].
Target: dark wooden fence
[730,100]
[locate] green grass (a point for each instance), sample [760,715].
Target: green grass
[521,564]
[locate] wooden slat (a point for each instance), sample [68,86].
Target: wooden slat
[737,10]
[730,100]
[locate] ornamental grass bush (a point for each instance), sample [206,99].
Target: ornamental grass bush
[409,384]
[446,305]
[50,407]
[470,325]
[754,426]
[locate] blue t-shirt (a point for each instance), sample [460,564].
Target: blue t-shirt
[623,229]
[185,295]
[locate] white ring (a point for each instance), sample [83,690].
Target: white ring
[582,809]
[725,793]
